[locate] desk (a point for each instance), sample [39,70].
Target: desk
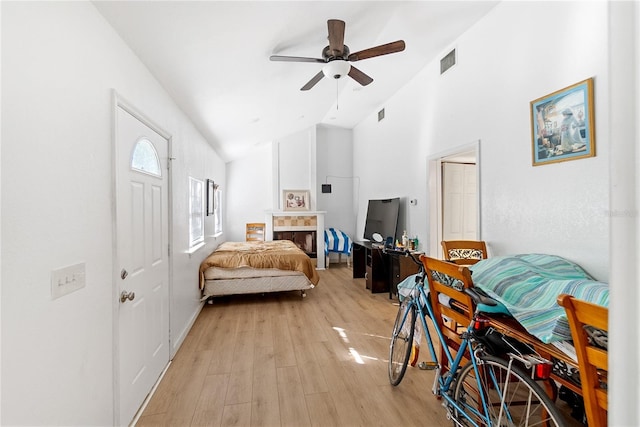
[369,262]
[511,327]
[400,267]
[382,271]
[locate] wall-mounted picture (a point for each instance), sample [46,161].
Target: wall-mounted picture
[295,200]
[562,125]
[210,197]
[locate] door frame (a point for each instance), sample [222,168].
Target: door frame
[434,184]
[118,101]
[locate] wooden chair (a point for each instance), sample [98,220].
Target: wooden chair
[452,318]
[464,252]
[255,231]
[591,359]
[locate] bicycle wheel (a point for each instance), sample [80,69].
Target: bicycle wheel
[401,341]
[525,401]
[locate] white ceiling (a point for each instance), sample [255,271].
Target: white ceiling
[213,58]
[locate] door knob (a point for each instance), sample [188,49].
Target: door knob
[124,296]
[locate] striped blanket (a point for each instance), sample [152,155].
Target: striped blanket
[528,285]
[336,241]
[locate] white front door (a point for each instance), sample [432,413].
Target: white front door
[142,260]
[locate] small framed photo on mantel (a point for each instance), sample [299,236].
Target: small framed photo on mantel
[295,200]
[562,125]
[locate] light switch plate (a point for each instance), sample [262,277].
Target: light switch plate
[67,279]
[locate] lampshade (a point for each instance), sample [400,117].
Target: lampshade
[336,68]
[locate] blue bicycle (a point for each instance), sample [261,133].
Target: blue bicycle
[488,390]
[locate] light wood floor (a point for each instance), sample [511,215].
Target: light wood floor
[279,359]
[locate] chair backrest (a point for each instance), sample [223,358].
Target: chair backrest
[593,360]
[453,309]
[255,231]
[464,251]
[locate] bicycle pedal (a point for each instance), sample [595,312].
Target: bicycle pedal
[427,366]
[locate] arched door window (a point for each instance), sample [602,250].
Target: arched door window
[145,158]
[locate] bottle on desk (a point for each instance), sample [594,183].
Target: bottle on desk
[405,240]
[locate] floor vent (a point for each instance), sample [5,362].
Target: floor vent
[448,61]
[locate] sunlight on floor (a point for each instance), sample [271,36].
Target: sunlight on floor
[342,333]
[356,356]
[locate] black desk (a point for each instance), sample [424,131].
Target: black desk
[369,262]
[382,271]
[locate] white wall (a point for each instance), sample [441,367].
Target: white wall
[250,191]
[60,62]
[334,159]
[519,52]
[0,216]
[300,161]
[624,335]
[295,165]
[256,181]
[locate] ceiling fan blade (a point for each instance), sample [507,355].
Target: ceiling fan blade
[384,49]
[336,36]
[295,59]
[359,76]
[311,83]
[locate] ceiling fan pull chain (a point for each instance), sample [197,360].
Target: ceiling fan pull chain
[337,93]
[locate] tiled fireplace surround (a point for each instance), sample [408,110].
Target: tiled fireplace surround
[295,222]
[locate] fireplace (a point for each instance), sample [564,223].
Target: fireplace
[305,229]
[305,240]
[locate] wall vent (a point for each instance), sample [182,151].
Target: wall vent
[381,114]
[448,61]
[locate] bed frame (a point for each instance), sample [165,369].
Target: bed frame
[246,280]
[256,267]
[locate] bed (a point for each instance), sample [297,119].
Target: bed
[256,267]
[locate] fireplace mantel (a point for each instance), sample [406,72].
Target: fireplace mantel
[298,221]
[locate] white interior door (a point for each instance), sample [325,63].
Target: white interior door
[143,260]
[459,201]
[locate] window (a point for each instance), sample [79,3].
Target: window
[145,158]
[217,209]
[196,212]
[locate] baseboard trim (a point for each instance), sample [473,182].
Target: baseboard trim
[175,345]
[149,396]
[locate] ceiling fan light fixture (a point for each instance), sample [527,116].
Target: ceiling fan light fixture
[336,69]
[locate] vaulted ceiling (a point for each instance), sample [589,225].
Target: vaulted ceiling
[213,58]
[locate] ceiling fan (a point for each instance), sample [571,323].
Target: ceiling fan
[337,57]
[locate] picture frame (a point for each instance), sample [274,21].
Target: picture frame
[563,125]
[295,200]
[210,197]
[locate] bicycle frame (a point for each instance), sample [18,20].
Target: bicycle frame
[441,384]
[495,385]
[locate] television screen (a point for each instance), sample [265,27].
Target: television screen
[382,218]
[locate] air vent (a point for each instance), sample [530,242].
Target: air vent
[381,114]
[448,61]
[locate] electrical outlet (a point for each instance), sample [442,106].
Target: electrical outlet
[67,279]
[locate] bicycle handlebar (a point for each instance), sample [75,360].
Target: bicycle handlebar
[405,252]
